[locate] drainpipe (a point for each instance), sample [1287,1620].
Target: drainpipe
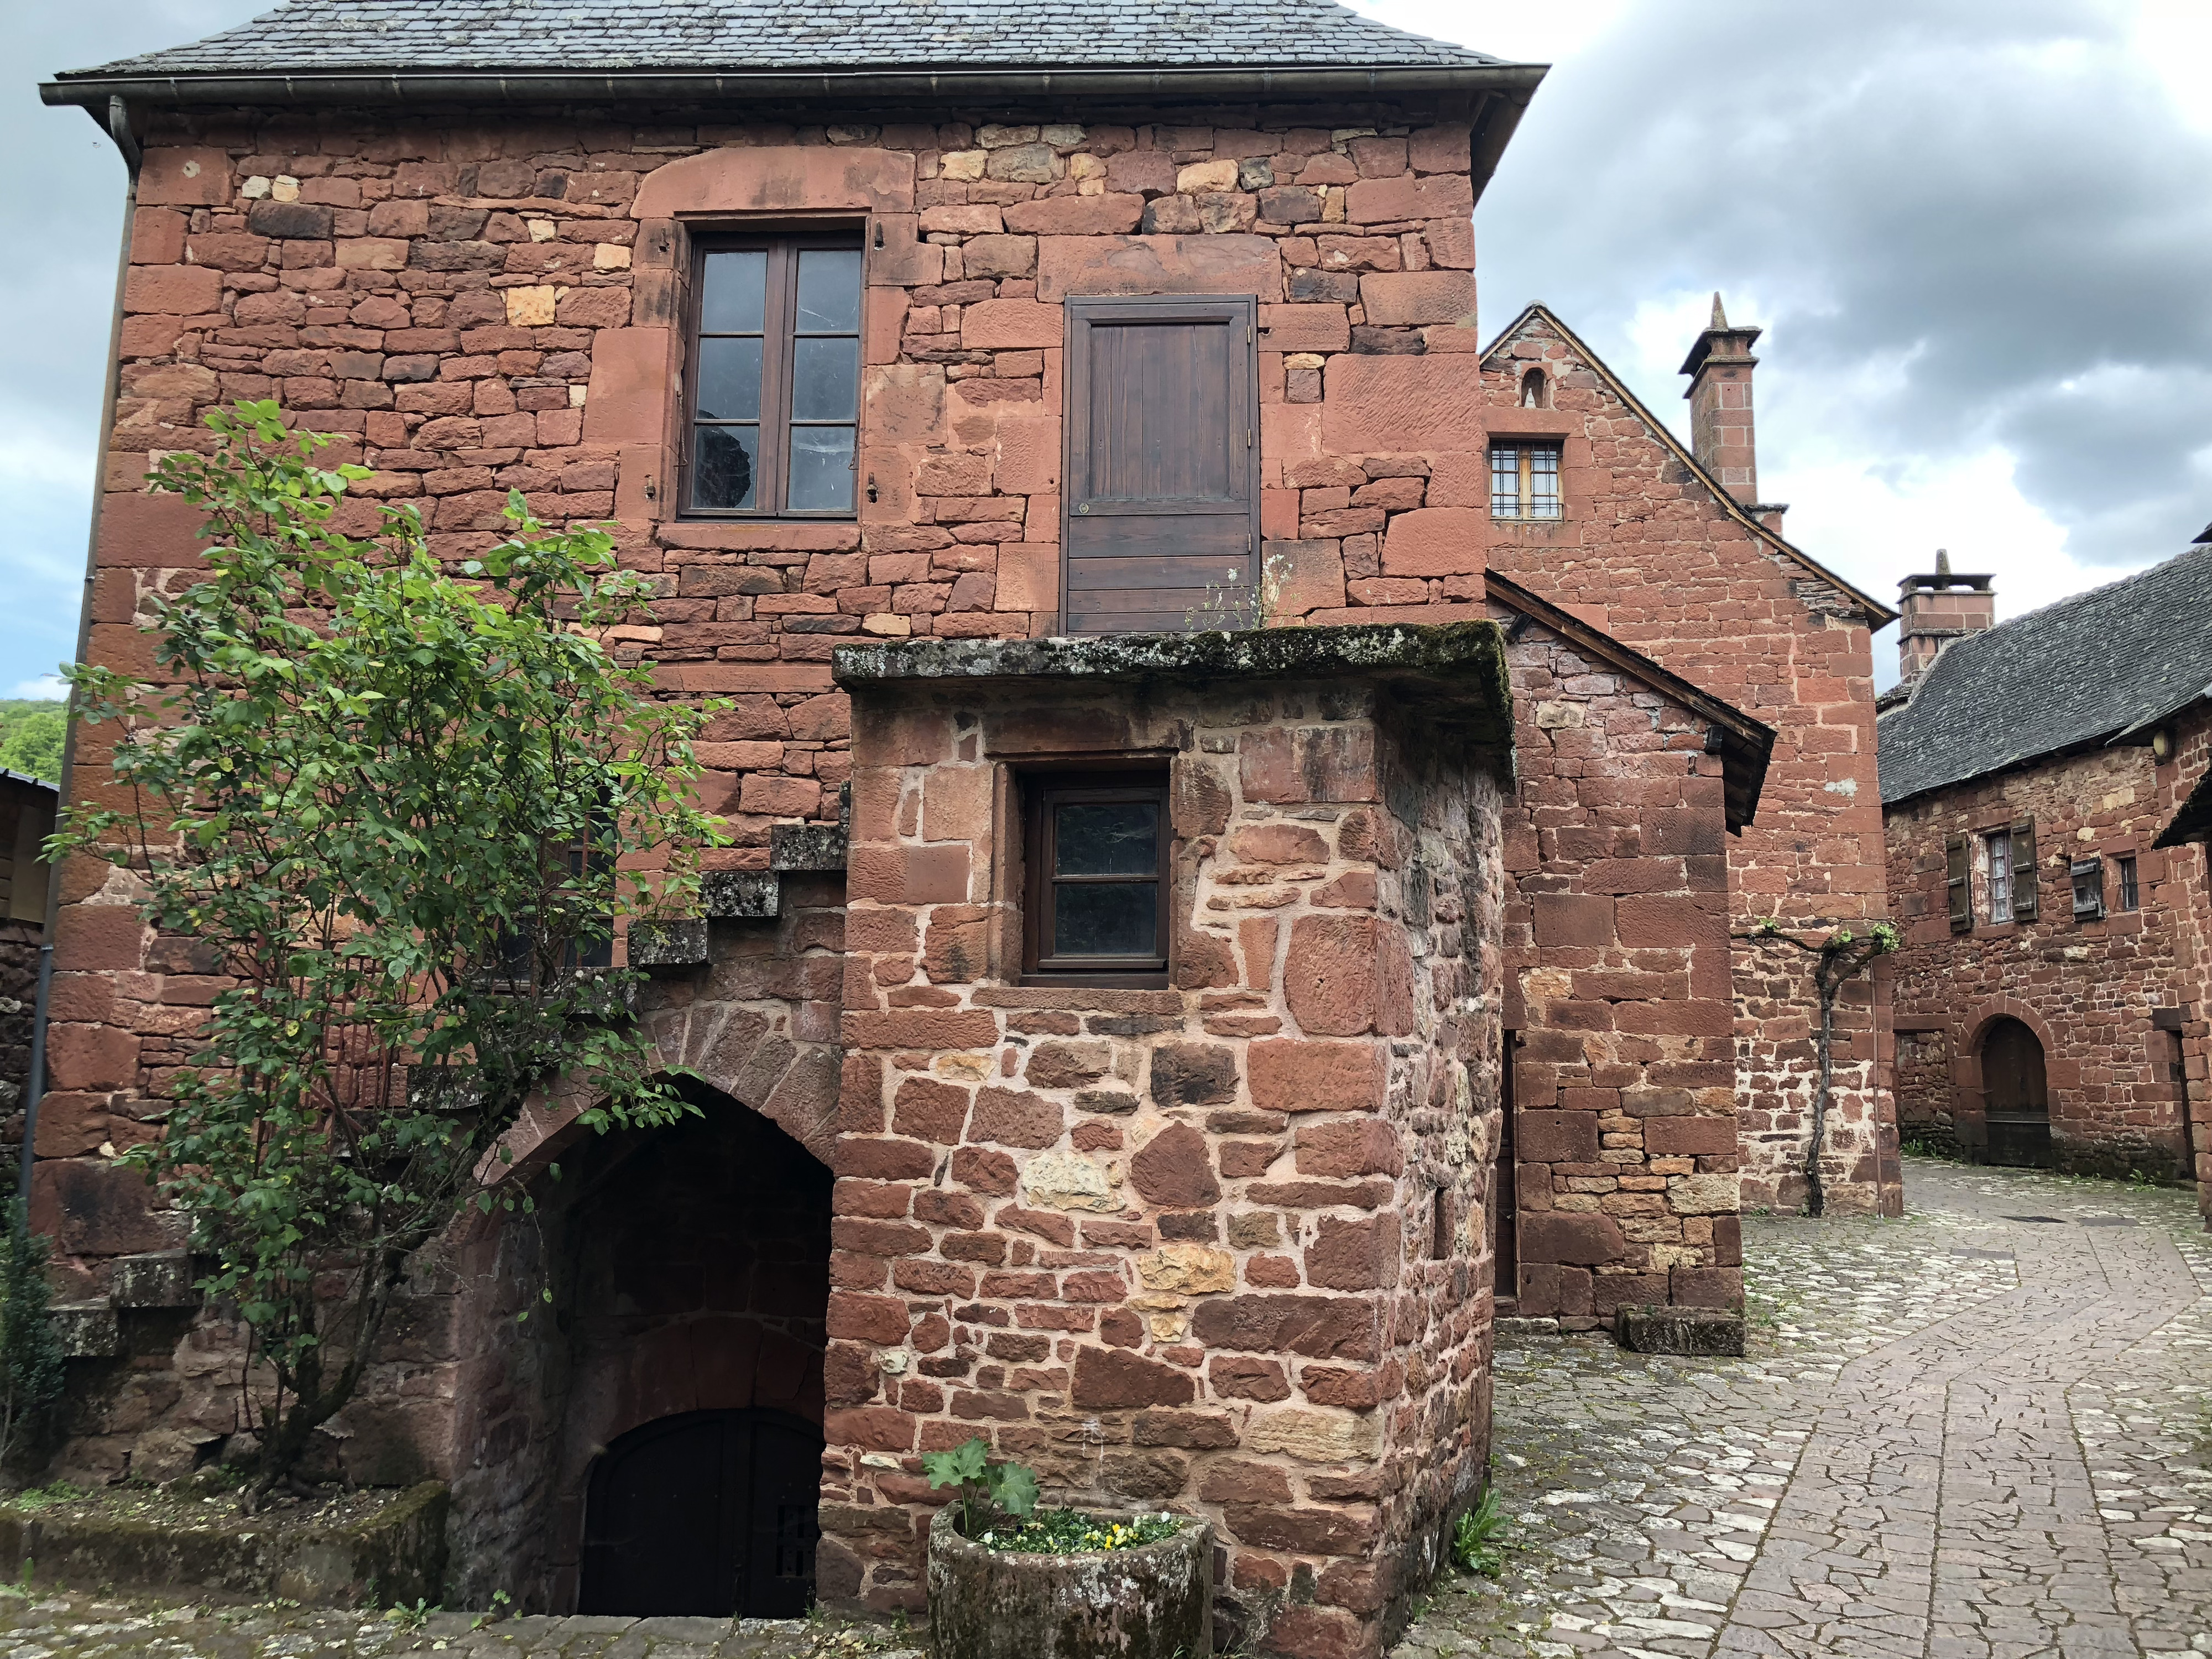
[34,1085]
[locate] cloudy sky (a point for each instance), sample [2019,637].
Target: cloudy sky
[1976,232]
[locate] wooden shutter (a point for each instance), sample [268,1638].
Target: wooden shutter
[2023,870]
[1958,890]
[1160,515]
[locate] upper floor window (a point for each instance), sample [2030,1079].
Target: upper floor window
[2130,896]
[2088,888]
[772,394]
[2000,864]
[1524,481]
[1160,513]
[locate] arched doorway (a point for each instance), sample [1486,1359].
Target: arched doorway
[2017,1100]
[693,1438]
[709,1513]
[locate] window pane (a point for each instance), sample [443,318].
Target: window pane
[736,292]
[2000,847]
[829,291]
[825,377]
[1543,484]
[1505,482]
[725,462]
[1106,918]
[729,379]
[821,469]
[1107,838]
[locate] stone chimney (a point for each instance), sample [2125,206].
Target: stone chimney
[1721,434]
[1939,608]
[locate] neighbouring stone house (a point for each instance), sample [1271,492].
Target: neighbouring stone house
[27,818]
[2049,998]
[1157,1049]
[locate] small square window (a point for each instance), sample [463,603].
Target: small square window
[1524,481]
[2130,898]
[1095,898]
[2088,888]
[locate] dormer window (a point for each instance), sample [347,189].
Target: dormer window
[1524,481]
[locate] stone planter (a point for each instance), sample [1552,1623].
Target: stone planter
[1152,1602]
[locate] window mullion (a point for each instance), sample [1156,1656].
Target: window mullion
[776,373]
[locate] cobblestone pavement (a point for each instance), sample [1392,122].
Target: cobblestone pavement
[1981,1432]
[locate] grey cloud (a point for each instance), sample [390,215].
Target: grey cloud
[2001,196]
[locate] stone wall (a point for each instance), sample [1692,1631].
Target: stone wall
[2087,988]
[2192,763]
[1652,553]
[1223,1244]
[1616,935]
[480,302]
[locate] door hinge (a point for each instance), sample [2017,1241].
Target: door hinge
[1248,437]
[1248,541]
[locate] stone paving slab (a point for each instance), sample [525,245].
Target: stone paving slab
[1964,1435]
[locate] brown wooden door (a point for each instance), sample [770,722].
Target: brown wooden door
[2017,1097]
[1161,512]
[709,1513]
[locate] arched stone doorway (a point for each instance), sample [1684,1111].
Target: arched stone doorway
[2017,1098]
[700,1256]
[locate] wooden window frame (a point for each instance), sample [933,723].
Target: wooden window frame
[1240,314]
[1524,451]
[1039,794]
[783,244]
[2131,874]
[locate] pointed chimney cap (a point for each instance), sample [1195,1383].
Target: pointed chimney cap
[1721,339]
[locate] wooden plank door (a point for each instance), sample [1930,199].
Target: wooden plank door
[1160,516]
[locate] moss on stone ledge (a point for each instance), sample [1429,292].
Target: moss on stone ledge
[1454,671]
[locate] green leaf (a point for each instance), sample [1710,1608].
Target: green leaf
[1013,1488]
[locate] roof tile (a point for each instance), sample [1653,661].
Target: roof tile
[737,35]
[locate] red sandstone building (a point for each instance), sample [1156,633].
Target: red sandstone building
[960,384]
[2050,1004]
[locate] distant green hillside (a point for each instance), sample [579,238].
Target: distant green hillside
[31,738]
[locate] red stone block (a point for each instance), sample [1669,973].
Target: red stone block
[1362,1146]
[1287,1075]
[1582,1240]
[1175,1169]
[1111,1379]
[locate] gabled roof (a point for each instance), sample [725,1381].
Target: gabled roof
[2091,668]
[1745,744]
[730,34]
[2194,821]
[1876,613]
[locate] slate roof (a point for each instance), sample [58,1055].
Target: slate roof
[525,36]
[2083,670]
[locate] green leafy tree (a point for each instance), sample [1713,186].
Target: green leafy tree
[33,744]
[30,1363]
[405,804]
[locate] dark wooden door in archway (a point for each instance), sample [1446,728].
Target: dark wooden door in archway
[2019,1101]
[709,1513]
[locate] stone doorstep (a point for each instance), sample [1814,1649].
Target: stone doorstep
[396,1556]
[1679,1331]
